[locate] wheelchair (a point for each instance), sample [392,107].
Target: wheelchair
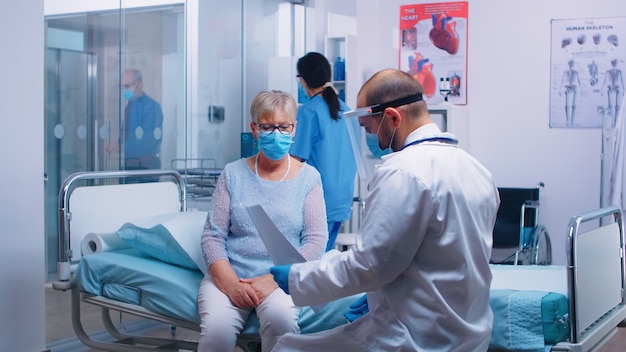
[518,238]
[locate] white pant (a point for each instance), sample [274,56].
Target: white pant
[221,321]
[378,330]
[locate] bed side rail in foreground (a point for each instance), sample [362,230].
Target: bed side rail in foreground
[78,180]
[175,199]
[595,270]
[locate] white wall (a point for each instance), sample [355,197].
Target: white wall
[22,303]
[508,98]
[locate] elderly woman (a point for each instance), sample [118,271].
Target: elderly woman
[291,194]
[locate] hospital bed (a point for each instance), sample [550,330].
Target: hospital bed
[142,275]
[591,285]
[584,299]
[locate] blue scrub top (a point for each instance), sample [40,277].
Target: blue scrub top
[324,143]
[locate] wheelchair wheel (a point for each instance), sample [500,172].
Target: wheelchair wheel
[541,251]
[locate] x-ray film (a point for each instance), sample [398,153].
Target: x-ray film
[279,249]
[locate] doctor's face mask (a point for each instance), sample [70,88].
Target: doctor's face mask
[374,147]
[373,144]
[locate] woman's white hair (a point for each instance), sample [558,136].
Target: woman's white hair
[268,103]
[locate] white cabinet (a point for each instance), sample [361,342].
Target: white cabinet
[344,47]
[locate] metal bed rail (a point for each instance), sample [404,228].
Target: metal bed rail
[200,175]
[576,335]
[65,216]
[125,342]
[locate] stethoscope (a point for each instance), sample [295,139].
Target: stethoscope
[447,140]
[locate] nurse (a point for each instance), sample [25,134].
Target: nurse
[422,252]
[323,141]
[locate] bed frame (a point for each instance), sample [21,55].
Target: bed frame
[140,200]
[83,198]
[596,302]
[596,272]
[592,279]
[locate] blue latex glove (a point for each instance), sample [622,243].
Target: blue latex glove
[281,276]
[357,309]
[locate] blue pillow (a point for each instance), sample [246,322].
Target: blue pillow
[173,238]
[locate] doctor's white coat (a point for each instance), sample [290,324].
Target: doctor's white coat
[422,255]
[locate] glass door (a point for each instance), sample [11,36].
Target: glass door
[236,49]
[86,59]
[69,128]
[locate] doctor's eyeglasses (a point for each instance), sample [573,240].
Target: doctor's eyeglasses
[285,128]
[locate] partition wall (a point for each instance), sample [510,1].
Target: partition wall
[202,61]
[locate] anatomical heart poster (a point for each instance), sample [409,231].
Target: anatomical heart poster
[587,57]
[433,49]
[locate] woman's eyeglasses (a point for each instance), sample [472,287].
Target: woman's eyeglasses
[286,128]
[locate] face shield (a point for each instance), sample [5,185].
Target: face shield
[365,161]
[354,132]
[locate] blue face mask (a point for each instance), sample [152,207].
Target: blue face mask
[275,145]
[128,94]
[372,143]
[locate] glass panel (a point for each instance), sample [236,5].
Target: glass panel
[243,47]
[152,68]
[236,49]
[214,99]
[235,61]
[84,101]
[217,84]
[68,129]
[273,41]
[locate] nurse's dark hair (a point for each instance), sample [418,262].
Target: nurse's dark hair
[268,103]
[391,84]
[314,69]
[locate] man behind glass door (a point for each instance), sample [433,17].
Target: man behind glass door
[142,125]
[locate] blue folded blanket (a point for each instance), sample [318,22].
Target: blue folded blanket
[528,320]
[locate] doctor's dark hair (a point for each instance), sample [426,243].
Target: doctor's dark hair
[314,69]
[268,103]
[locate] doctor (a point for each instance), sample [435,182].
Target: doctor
[422,253]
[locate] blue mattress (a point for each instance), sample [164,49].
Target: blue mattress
[522,319]
[132,277]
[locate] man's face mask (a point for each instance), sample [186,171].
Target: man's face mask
[128,94]
[372,144]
